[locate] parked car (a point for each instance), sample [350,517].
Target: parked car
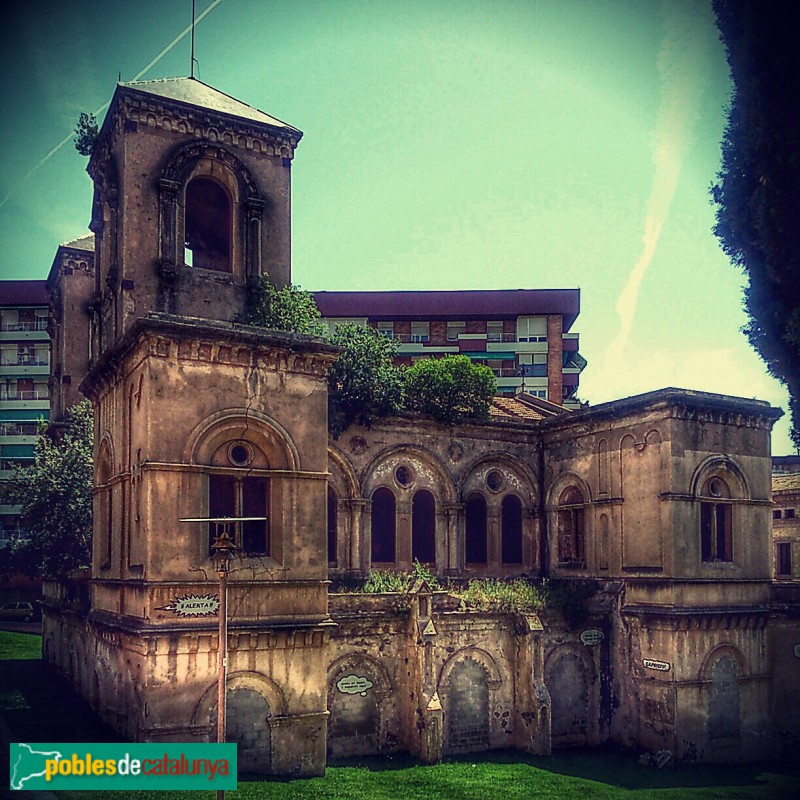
[18,611]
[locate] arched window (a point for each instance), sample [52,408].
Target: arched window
[511,526]
[423,527]
[333,523]
[383,527]
[571,527]
[475,539]
[208,226]
[238,493]
[716,535]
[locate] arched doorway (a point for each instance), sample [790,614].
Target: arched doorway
[467,708]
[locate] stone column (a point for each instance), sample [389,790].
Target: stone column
[403,535]
[493,533]
[454,513]
[360,518]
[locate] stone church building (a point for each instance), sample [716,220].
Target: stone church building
[660,502]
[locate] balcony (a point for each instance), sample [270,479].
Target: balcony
[24,331]
[25,366]
[35,394]
[38,325]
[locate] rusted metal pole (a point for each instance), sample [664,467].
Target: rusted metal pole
[222,650]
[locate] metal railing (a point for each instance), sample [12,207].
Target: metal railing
[26,362]
[34,395]
[38,325]
[18,428]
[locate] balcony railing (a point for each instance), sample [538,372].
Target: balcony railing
[26,362]
[34,395]
[39,325]
[18,428]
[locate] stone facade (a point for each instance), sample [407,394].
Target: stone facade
[659,504]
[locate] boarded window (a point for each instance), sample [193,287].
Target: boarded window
[333,524]
[784,558]
[716,535]
[383,527]
[208,226]
[234,496]
[571,527]
[511,512]
[475,544]
[423,527]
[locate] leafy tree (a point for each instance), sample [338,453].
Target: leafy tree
[55,499]
[86,134]
[363,382]
[450,389]
[288,309]
[758,205]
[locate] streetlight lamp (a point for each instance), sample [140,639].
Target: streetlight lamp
[222,554]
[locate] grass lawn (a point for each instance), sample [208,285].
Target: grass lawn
[39,706]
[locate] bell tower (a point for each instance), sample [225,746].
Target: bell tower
[191,202]
[198,416]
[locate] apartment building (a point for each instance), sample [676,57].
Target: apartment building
[24,373]
[524,335]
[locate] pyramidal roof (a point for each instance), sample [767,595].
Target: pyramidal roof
[194,92]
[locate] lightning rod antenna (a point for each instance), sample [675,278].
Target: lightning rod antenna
[191,66]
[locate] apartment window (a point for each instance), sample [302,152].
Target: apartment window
[788,513]
[494,331]
[386,329]
[783,558]
[420,332]
[532,329]
[777,514]
[571,527]
[454,329]
[716,536]
[235,496]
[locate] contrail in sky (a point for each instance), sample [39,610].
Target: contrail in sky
[682,69]
[103,107]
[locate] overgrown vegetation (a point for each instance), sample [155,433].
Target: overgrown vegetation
[55,499]
[450,389]
[517,596]
[570,596]
[567,596]
[289,308]
[756,192]
[363,383]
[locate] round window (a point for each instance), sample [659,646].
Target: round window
[716,488]
[494,480]
[240,454]
[404,476]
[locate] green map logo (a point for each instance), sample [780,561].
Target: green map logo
[152,767]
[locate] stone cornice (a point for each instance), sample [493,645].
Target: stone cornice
[132,105]
[682,404]
[211,341]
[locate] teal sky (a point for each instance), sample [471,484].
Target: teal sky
[448,145]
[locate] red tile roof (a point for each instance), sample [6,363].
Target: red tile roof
[23,293]
[466,304]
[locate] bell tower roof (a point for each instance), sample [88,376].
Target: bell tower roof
[193,92]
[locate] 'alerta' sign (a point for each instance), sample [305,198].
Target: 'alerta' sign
[193,605]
